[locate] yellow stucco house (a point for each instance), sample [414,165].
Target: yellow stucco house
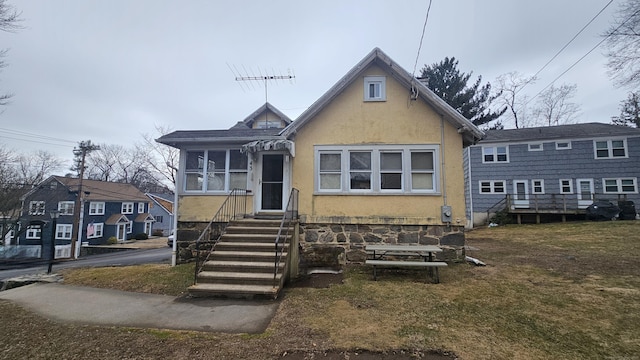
[377,158]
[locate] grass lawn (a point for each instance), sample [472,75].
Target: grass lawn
[551,291]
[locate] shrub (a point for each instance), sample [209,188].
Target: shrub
[502,217]
[112,240]
[141,236]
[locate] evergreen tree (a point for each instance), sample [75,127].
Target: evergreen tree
[472,101]
[629,111]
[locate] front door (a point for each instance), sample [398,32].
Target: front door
[272,182]
[122,232]
[585,193]
[520,194]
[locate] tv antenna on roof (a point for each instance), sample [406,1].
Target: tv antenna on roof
[266,78]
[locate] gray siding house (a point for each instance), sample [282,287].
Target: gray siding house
[550,171]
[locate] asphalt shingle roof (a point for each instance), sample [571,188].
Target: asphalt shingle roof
[572,131]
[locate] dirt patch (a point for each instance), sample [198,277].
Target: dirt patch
[317,280]
[368,355]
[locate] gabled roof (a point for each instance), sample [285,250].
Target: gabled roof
[470,132]
[572,131]
[144,217]
[104,190]
[163,202]
[240,133]
[115,219]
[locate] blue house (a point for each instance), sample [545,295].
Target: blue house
[556,171]
[162,212]
[108,210]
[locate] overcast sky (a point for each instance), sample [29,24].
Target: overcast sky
[109,71]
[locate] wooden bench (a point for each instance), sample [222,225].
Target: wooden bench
[379,252]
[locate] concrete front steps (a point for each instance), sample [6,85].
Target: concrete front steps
[242,263]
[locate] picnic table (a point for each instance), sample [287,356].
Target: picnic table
[388,255]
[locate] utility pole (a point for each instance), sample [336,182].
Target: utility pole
[81,153]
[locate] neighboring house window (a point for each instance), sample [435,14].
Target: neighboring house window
[63,231]
[495,154]
[535,147]
[159,218]
[375,88]
[36,208]
[224,169]
[127,208]
[566,186]
[492,187]
[140,207]
[620,185]
[376,169]
[129,227]
[95,230]
[563,145]
[65,207]
[96,208]
[608,149]
[33,232]
[537,186]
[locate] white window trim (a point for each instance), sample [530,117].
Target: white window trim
[570,186]
[96,208]
[533,187]
[127,208]
[62,208]
[382,80]
[492,184]
[129,227]
[376,150]
[65,229]
[610,148]
[568,147]
[39,205]
[495,155]
[532,147]
[140,207]
[619,189]
[204,172]
[97,228]
[33,233]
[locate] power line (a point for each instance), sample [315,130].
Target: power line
[424,28]
[582,57]
[565,46]
[34,141]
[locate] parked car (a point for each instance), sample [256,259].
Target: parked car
[170,239]
[602,210]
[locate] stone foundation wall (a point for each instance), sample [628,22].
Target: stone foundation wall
[187,234]
[334,245]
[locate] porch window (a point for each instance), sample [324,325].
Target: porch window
[224,169]
[330,171]
[36,208]
[66,207]
[63,231]
[360,170]
[366,169]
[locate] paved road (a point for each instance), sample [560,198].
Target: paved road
[120,258]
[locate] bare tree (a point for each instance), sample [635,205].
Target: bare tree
[509,86]
[623,42]
[554,106]
[9,22]
[164,158]
[34,168]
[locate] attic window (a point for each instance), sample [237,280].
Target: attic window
[375,88]
[267,124]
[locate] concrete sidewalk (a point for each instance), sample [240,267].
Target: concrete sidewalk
[92,306]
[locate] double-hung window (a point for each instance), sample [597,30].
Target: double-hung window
[63,231]
[140,207]
[36,208]
[224,170]
[375,88]
[620,185]
[609,149]
[127,208]
[34,232]
[537,186]
[95,230]
[566,186]
[392,169]
[492,187]
[492,154]
[65,207]
[96,208]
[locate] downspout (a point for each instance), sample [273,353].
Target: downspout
[468,150]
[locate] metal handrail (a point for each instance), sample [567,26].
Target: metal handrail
[290,214]
[233,206]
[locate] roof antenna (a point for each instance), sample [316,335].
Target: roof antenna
[266,78]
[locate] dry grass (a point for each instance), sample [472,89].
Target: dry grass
[553,291]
